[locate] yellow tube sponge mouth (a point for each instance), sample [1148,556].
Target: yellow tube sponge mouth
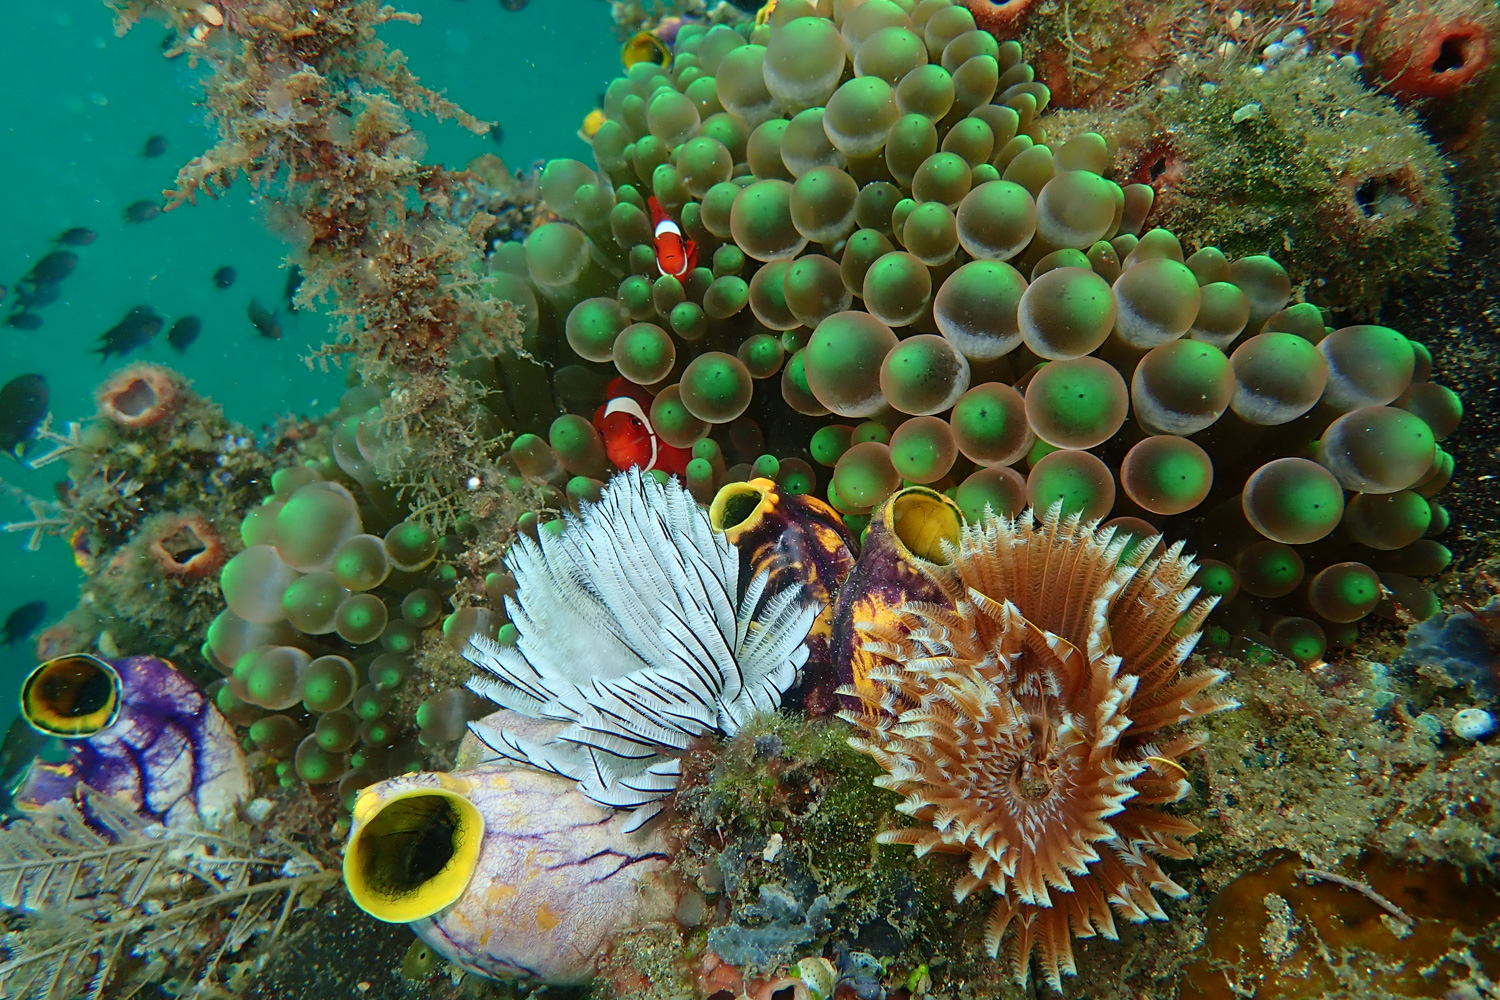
[922,520]
[73,696]
[739,507]
[411,850]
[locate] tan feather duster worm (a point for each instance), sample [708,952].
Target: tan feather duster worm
[1026,720]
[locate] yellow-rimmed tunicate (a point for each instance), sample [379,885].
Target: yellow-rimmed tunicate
[411,853]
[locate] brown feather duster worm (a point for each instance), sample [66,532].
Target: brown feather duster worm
[1025,718]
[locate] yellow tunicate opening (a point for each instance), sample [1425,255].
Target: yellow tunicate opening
[738,507]
[923,520]
[73,697]
[411,854]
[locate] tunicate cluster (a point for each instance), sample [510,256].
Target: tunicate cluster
[898,279]
[326,606]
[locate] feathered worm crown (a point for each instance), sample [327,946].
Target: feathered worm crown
[1019,718]
[630,635]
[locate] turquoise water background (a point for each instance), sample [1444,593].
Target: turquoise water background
[76,105]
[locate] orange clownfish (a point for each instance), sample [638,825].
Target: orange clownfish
[676,255]
[629,438]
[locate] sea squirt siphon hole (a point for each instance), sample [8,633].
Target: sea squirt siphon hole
[408,843]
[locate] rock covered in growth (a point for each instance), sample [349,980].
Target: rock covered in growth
[902,278]
[633,632]
[1027,720]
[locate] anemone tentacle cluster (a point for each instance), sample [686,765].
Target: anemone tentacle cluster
[629,636]
[1026,716]
[910,268]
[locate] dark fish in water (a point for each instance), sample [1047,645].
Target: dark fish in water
[23,320]
[41,295]
[293,284]
[265,322]
[51,269]
[496,134]
[23,621]
[224,277]
[184,332]
[154,146]
[78,236]
[23,406]
[142,211]
[140,324]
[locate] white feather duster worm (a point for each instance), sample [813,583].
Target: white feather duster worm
[630,635]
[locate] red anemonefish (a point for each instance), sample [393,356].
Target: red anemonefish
[676,255]
[629,438]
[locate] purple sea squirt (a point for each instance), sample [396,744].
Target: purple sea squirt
[136,730]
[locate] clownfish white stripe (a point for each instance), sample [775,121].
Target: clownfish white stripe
[624,404]
[668,226]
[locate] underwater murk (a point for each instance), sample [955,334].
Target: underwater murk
[983,499]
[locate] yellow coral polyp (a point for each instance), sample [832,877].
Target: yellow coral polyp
[411,853]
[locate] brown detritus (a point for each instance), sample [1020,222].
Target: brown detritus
[1323,938]
[1317,874]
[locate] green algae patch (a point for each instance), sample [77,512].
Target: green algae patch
[779,824]
[1299,161]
